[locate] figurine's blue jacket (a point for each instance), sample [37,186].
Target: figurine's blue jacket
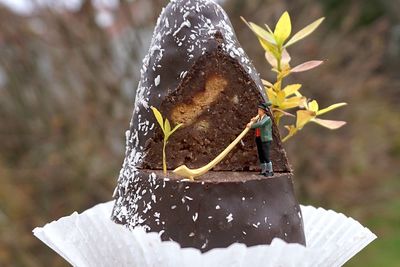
[265,125]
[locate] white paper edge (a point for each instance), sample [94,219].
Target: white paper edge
[54,240]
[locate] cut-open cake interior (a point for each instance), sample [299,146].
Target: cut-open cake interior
[215,101]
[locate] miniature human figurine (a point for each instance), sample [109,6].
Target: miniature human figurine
[263,127]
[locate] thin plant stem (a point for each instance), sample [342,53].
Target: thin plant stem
[164,158]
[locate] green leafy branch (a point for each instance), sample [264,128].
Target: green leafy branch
[283,98]
[166,128]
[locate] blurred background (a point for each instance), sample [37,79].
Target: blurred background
[68,74]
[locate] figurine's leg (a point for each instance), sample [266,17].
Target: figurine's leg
[263,163]
[270,171]
[266,148]
[266,151]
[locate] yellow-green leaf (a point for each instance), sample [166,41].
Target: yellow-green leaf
[260,32]
[307,66]
[158,116]
[331,107]
[291,89]
[268,47]
[293,102]
[333,125]
[277,86]
[304,32]
[283,28]
[280,98]
[313,106]
[297,93]
[271,95]
[176,128]
[303,117]
[167,128]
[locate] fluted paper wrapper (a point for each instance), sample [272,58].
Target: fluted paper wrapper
[92,239]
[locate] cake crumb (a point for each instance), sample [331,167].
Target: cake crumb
[229,218]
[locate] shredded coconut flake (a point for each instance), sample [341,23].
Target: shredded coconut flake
[157,80]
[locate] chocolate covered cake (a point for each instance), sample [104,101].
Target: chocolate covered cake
[196,73]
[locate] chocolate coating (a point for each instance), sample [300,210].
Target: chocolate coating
[215,211]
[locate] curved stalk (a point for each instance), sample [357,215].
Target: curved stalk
[184,171]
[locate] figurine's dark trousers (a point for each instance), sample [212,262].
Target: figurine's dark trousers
[263,150]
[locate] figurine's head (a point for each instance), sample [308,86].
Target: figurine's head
[263,107]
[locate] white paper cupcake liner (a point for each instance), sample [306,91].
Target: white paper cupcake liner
[92,239]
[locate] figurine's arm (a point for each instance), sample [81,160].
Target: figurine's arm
[252,120]
[261,123]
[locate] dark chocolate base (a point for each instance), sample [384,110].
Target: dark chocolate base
[215,211]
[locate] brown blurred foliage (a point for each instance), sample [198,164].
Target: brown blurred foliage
[67,88]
